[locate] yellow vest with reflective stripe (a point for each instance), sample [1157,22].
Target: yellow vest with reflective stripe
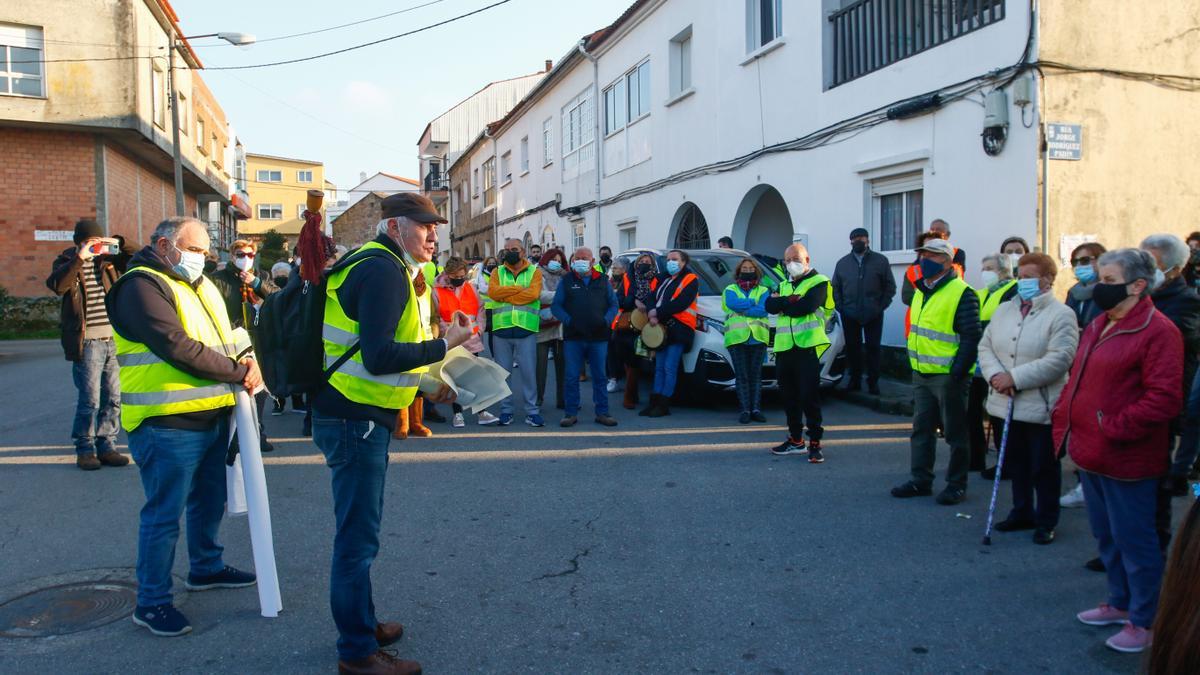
[932,342]
[989,301]
[807,330]
[738,327]
[392,391]
[505,315]
[151,387]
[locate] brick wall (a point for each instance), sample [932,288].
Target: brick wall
[139,198]
[356,226]
[47,182]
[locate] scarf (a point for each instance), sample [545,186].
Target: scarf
[747,286]
[641,287]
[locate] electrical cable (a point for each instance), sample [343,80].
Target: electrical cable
[331,28]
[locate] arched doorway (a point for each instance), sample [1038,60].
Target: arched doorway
[689,228]
[487,249]
[763,223]
[548,240]
[475,251]
[528,240]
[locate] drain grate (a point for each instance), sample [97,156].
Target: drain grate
[67,608]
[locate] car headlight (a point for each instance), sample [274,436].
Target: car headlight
[716,324]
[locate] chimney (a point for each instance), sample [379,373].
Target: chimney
[362,176]
[549,65]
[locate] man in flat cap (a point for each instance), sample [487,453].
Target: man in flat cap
[377,349]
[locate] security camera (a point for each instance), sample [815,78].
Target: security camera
[995,122]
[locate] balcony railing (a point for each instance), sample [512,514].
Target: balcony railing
[437,182]
[872,34]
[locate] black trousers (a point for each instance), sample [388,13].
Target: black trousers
[799,372]
[1035,469]
[976,417]
[860,335]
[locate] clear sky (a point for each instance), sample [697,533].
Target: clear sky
[371,105]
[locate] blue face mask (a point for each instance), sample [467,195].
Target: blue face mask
[672,267]
[930,268]
[1029,289]
[581,267]
[1086,274]
[554,266]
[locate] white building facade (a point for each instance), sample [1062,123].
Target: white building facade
[668,129]
[380,182]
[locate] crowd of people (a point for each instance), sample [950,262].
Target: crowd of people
[1106,378]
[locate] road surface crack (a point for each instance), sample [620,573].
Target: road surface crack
[573,564]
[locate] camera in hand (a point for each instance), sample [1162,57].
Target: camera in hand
[104,246]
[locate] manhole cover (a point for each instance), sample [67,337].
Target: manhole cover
[67,608]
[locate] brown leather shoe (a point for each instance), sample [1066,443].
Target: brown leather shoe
[87,461]
[112,458]
[380,663]
[388,633]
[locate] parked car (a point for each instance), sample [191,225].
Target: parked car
[707,365]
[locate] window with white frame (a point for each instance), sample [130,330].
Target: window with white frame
[270,211]
[524,154]
[200,133]
[897,206]
[269,176]
[548,142]
[627,236]
[304,176]
[21,64]
[764,23]
[216,150]
[627,99]
[300,211]
[158,95]
[681,62]
[183,115]
[637,83]
[578,130]
[614,107]
[475,184]
[577,239]
[506,168]
[489,182]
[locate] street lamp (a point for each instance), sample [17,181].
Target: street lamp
[238,39]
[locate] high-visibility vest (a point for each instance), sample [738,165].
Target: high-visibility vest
[932,342]
[431,272]
[506,315]
[689,316]
[392,391]
[807,330]
[989,301]
[913,275]
[450,302]
[739,327]
[152,387]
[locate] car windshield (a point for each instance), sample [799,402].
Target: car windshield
[715,269]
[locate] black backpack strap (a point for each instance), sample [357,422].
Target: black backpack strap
[346,261]
[341,360]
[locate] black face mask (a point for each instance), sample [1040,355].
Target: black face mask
[858,246]
[457,282]
[1107,296]
[280,282]
[512,258]
[605,258]
[489,268]
[747,276]
[643,268]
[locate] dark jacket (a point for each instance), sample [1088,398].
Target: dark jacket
[586,308]
[863,290]
[667,307]
[966,324]
[227,281]
[374,294]
[1124,389]
[142,309]
[66,280]
[1079,299]
[1180,303]
[800,305]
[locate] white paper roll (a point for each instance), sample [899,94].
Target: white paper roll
[257,505]
[235,489]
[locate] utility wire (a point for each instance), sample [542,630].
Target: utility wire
[326,30]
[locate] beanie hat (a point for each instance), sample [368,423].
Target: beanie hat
[87,229]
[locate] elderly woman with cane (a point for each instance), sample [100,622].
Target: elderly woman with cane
[1125,387]
[1024,356]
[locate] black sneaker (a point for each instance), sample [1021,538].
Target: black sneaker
[744,418]
[1011,525]
[277,409]
[911,489]
[266,446]
[162,620]
[757,416]
[1095,565]
[814,452]
[227,578]
[952,495]
[789,447]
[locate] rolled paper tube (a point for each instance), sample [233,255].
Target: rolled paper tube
[258,505]
[235,489]
[315,199]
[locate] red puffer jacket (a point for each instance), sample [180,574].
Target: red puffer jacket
[1124,389]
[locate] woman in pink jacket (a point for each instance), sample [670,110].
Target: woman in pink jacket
[1125,387]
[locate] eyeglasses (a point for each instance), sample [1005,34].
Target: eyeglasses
[1082,260]
[244,254]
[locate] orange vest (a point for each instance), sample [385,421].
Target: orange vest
[688,316]
[625,281]
[449,302]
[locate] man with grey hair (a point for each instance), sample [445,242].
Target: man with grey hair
[514,298]
[586,305]
[178,373]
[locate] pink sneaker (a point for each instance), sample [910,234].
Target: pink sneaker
[1131,640]
[1104,615]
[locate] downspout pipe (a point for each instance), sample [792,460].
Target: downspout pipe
[597,138]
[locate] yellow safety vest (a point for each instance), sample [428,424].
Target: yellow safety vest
[391,391]
[989,301]
[738,327]
[505,315]
[807,330]
[152,387]
[932,342]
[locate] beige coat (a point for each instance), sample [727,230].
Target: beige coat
[1037,350]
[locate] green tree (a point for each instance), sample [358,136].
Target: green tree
[272,249]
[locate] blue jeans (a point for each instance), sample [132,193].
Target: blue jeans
[1121,513]
[98,410]
[666,369]
[178,467]
[357,453]
[522,380]
[596,353]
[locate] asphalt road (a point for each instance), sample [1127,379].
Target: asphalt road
[667,546]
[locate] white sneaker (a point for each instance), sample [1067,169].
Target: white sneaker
[612,385]
[1073,499]
[459,422]
[487,419]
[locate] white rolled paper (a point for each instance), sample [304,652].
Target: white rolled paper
[258,506]
[235,489]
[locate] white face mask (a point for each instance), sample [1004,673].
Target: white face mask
[1159,278]
[797,268]
[243,264]
[990,279]
[190,265]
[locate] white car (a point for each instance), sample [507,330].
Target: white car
[707,364]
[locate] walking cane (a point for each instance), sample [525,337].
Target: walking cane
[987,534]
